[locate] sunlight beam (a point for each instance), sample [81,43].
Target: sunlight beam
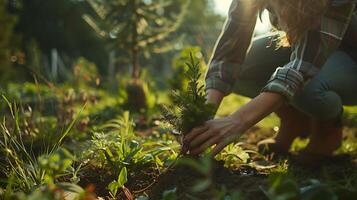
[222,7]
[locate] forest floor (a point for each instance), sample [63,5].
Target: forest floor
[106,140]
[250,180]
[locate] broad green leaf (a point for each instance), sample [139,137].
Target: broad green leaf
[113,187]
[123,177]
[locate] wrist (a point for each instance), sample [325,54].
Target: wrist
[214,96]
[239,121]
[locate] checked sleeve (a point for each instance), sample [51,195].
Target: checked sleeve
[311,52]
[232,45]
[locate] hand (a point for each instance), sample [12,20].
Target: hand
[219,132]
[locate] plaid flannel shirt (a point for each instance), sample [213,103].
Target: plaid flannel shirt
[308,54]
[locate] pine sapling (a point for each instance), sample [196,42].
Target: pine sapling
[190,108]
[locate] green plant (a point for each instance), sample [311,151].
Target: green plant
[170,194]
[22,169]
[24,172]
[119,147]
[284,187]
[55,163]
[119,183]
[178,80]
[234,155]
[190,109]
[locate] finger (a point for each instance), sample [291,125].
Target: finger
[203,147]
[224,143]
[195,132]
[202,138]
[220,146]
[184,149]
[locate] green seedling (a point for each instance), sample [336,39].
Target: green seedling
[114,186]
[190,108]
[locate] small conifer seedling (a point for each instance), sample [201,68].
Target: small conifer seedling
[190,108]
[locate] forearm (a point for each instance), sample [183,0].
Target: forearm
[258,108]
[214,97]
[223,131]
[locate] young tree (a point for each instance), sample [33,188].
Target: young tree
[136,25]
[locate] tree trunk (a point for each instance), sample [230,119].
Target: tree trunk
[134,47]
[135,63]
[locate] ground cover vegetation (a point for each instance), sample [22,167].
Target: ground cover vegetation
[96,96]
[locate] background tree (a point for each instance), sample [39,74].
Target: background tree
[58,25]
[137,25]
[136,28]
[201,26]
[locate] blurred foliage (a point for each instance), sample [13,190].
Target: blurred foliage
[61,191]
[170,194]
[8,46]
[59,25]
[55,163]
[178,80]
[31,29]
[206,184]
[136,25]
[350,116]
[284,187]
[85,74]
[201,26]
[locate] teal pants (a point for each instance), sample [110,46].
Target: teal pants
[322,98]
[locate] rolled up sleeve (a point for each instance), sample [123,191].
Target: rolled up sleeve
[285,81]
[310,53]
[220,76]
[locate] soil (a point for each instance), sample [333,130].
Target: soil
[99,178]
[246,180]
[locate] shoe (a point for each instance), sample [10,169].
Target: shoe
[326,137]
[293,124]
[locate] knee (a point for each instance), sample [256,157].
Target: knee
[319,104]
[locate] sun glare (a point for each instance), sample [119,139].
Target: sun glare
[222,7]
